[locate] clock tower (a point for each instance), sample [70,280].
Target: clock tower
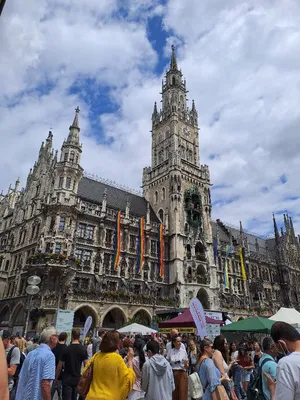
[178,189]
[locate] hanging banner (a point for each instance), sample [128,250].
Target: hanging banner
[117,241]
[161,251]
[140,246]
[198,315]
[87,326]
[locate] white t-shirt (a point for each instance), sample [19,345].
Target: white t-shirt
[177,357]
[288,377]
[169,347]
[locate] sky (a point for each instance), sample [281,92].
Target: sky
[241,61]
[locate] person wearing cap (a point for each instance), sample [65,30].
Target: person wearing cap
[34,345]
[13,355]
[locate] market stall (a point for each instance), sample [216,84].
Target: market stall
[184,323]
[137,329]
[288,315]
[251,324]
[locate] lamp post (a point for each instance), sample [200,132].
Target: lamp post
[31,290]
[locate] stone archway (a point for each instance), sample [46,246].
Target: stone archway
[142,317]
[114,318]
[81,315]
[4,317]
[18,319]
[202,295]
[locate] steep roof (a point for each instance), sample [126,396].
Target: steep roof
[265,246]
[91,190]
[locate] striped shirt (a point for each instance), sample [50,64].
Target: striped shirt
[38,365]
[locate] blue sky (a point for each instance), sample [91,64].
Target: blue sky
[241,61]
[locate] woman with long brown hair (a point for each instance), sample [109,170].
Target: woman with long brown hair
[220,359]
[209,374]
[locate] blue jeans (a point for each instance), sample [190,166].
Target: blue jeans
[236,376]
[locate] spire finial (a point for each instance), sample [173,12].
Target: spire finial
[275,229]
[75,122]
[173,63]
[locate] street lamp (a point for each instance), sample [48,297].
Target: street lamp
[32,289]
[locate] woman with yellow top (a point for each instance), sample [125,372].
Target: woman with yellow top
[112,378]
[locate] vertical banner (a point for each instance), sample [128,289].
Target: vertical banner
[87,326]
[140,246]
[117,241]
[226,276]
[64,322]
[242,260]
[198,315]
[161,250]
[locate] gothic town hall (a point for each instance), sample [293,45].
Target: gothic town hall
[61,227]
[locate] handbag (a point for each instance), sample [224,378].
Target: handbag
[85,380]
[219,393]
[232,394]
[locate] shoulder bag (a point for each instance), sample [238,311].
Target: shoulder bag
[85,381]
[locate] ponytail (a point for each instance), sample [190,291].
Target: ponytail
[139,347]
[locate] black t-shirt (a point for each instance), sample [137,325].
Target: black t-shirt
[73,357]
[58,352]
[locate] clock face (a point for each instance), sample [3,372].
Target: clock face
[186,131]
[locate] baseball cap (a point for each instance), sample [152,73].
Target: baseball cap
[6,334]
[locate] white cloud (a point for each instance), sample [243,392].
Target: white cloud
[241,62]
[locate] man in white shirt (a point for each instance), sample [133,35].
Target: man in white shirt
[287,384]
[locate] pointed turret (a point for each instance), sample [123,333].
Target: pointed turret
[193,106]
[17,184]
[292,229]
[173,62]
[276,232]
[73,137]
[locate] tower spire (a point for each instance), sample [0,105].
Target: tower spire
[73,136]
[173,63]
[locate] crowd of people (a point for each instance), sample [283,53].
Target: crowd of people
[161,367]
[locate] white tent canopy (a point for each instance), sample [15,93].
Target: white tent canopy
[288,315]
[137,328]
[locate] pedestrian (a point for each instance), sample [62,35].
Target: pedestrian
[157,375]
[97,341]
[209,374]
[33,345]
[13,356]
[256,355]
[193,356]
[178,360]
[137,363]
[89,348]
[220,359]
[287,384]
[268,364]
[174,332]
[246,365]
[58,351]
[38,369]
[71,361]
[112,379]
[4,394]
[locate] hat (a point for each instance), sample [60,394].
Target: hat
[6,334]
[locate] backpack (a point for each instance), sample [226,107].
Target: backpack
[195,390]
[255,389]
[19,366]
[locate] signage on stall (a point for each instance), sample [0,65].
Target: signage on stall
[198,315]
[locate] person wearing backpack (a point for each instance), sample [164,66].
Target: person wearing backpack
[13,356]
[268,364]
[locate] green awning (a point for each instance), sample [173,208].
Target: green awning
[251,324]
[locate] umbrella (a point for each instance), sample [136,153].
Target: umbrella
[252,324]
[137,328]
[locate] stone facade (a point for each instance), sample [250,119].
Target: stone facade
[61,228]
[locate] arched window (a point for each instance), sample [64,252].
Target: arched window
[161,215]
[66,156]
[163,194]
[188,252]
[200,252]
[68,182]
[77,159]
[173,80]
[72,156]
[156,197]
[61,182]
